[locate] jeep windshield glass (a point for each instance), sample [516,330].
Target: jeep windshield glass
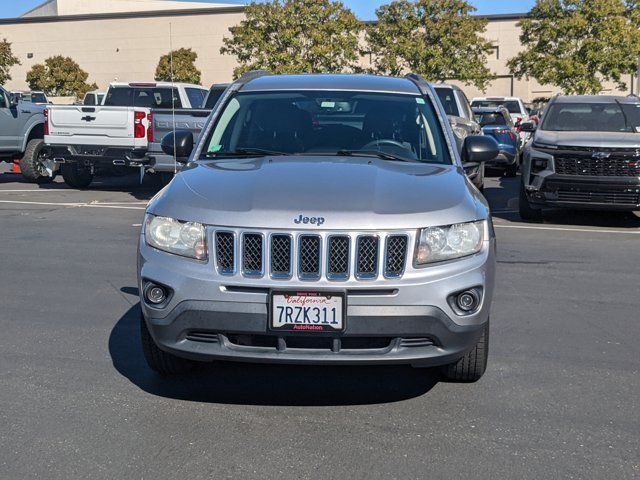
[593,117]
[329,123]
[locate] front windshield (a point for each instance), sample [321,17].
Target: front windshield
[593,117]
[329,123]
[511,105]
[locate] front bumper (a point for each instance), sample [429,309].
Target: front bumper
[403,321]
[593,193]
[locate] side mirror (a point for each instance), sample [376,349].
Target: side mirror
[528,127]
[182,147]
[479,148]
[13,101]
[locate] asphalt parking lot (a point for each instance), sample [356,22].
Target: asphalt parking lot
[560,399]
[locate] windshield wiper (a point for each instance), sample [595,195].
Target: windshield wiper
[244,152]
[373,153]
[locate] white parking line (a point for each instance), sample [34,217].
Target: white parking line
[36,190]
[562,229]
[77,205]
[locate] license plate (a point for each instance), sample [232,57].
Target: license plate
[308,312]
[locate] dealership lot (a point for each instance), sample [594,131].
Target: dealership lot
[560,399]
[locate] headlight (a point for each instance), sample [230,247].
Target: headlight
[187,239]
[437,244]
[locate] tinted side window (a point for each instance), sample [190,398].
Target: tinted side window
[148,97]
[213,97]
[448,101]
[196,96]
[38,98]
[3,99]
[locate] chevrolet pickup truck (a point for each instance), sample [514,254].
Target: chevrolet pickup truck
[82,138]
[321,219]
[21,134]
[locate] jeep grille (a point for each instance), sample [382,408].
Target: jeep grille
[307,256]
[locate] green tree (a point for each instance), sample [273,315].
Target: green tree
[578,44]
[7,60]
[438,39]
[60,77]
[295,36]
[184,67]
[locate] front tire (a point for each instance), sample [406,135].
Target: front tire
[76,176]
[31,165]
[158,360]
[527,212]
[472,366]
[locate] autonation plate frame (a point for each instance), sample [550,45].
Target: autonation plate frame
[308,299]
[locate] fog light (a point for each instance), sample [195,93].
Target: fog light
[467,301]
[538,165]
[156,294]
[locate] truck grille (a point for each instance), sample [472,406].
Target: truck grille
[620,163]
[611,197]
[336,257]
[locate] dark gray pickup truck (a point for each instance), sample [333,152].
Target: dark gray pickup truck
[21,134]
[187,119]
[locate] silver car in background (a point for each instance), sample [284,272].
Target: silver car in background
[322,219]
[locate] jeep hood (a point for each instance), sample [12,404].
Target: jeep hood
[349,193]
[589,139]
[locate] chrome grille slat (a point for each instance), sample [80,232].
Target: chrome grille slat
[225,252]
[338,247]
[309,251]
[395,255]
[281,256]
[252,254]
[367,251]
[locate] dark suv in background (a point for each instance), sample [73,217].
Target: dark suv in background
[585,154]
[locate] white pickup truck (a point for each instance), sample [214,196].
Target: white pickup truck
[83,139]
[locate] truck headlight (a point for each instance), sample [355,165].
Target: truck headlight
[437,244]
[187,239]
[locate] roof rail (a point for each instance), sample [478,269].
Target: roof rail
[419,81]
[252,75]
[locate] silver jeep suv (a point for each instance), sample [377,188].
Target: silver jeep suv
[322,219]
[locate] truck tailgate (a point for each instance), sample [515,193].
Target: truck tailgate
[100,125]
[165,121]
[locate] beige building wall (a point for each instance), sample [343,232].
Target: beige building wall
[127,47]
[122,49]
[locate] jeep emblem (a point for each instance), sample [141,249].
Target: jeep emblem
[309,220]
[601,155]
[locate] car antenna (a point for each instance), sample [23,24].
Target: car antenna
[173,100]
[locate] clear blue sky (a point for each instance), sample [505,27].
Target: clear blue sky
[364,9]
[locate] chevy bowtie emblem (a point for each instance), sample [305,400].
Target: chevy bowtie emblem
[88,118]
[601,155]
